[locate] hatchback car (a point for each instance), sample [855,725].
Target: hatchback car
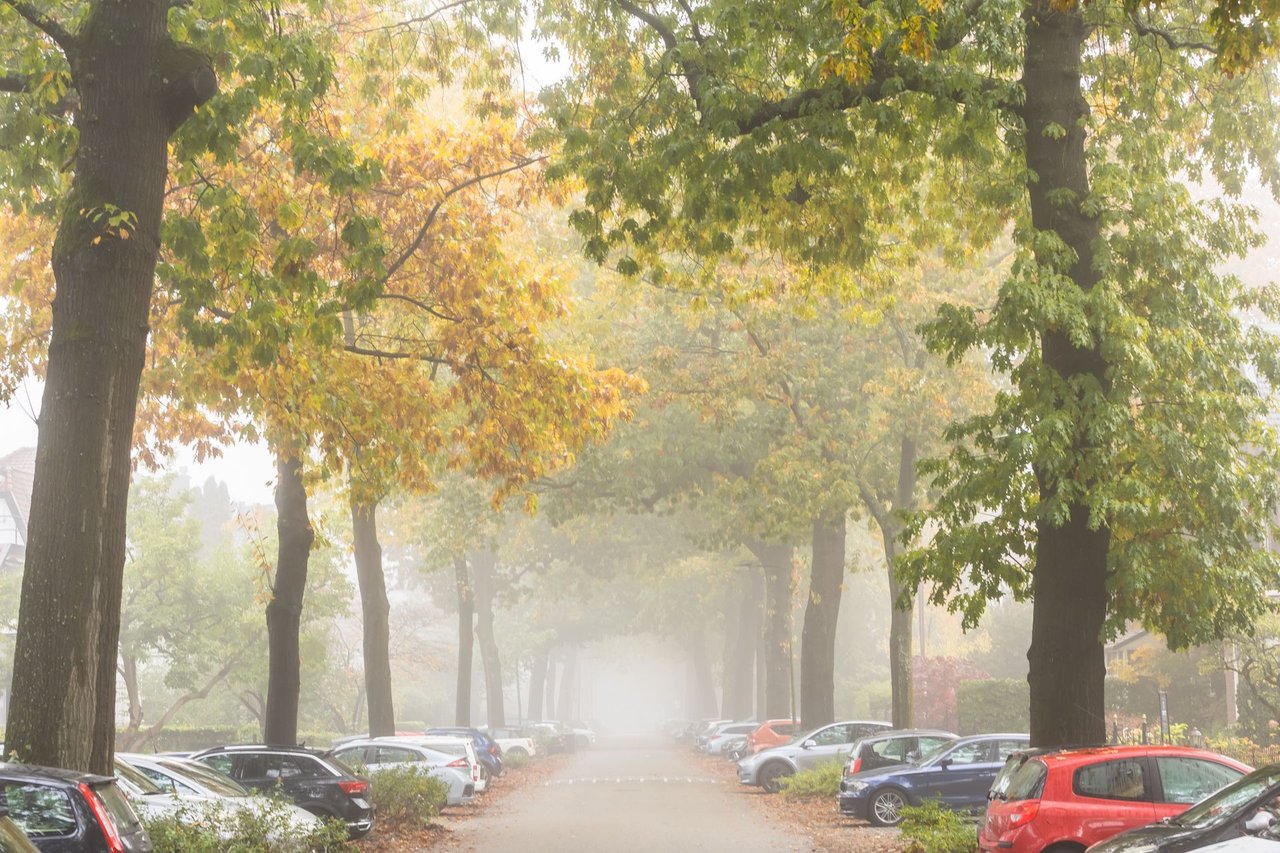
[65,811]
[956,773]
[322,785]
[713,741]
[487,750]
[1071,799]
[772,733]
[1249,806]
[888,749]
[828,743]
[454,771]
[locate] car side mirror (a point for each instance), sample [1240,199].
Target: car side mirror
[913,756]
[945,763]
[809,744]
[1259,821]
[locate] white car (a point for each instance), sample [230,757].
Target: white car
[377,754]
[455,746]
[512,742]
[178,783]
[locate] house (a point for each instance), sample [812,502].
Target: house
[17,472]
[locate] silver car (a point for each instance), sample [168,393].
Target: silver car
[378,754]
[827,743]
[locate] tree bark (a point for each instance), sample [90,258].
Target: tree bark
[284,612]
[777,561]
[538,683]
[818,638]
[466,641]
[129,674]
[566,705]
[495,710]
[62,708]
[1069,582]
[376,618]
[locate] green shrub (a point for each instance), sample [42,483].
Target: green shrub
[932,829]
[820,781]
[407,796]
[993,705]
[515,760]
[210,829]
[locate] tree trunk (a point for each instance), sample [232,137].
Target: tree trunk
[550,696]
[538,683]
[495,711]
[284,612]
[1069,583]
[818,639]
[566,706]
[777,561]
[62,708]
[466,641]
[729,675]
[702,693]
[761,699]
[742,630]
[376,616]
[129,674]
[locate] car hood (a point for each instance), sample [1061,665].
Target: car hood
[1145,838]
[1243,844]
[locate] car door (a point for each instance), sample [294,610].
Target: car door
[301,777]
[1110,797]
[46,815]
[961,776]
[1184,780]
[830,744]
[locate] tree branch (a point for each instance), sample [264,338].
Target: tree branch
[693,74]
[393,354]
[54,30]
[1144,29]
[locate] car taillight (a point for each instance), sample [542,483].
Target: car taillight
[1023,813]
[493,750]
[108,826]
[850,769]
[460,762]
[354,787]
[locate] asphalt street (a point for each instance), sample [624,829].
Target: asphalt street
[627,794]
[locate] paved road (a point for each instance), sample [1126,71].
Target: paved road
[626,795]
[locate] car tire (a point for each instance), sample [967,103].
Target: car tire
[519,750]
[771,775]
[484,774]
[885,808]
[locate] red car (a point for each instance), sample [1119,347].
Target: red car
[772,733]
[1064,801]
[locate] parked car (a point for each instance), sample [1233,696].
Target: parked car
[514,741]
[374,755]
[65,811]
[1080,797]
[1243,844]
[320,784]
[1249,806]
[12,839]
[712,742]
[555,736]
[772,733]
[895,747]
[958,773]
[828,743]
[583,734]
[487,749]
[459,747]
[183,780]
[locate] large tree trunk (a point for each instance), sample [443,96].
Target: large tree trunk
[376,618]
[550,695]
[742,628]
[1069,584]
[495,710]
[702,693]
[818,638]
[62,709]
[284,612]
[777,561]
[538,682]
[567,704]
[466,641]
[729,675]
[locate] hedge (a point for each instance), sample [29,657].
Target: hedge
[993,705]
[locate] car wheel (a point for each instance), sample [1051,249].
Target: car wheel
[484,774]
[519,750]
[771,776]
[886,807]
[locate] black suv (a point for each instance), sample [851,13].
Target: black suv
[65,811]
[322,785]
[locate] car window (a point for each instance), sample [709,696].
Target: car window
[832,735]
[41,811]
[221,763]
[354,755]
[118,807]
[1005,748]
[293,767]
[396,755]
[970,753]
[161,780]
[135,777]
[1020,781]
[1125,779]
[219,783]
[1190,780]
[929,745]
[857,730]
[895,749]
[11,838]
[1222,806]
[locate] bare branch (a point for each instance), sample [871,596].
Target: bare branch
[1144,29]
[54,30]
[692,72]
[393,354]
[419,304]
[421,19]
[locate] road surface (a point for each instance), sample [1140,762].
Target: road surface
[639,794]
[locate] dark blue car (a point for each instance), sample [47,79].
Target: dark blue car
[957,774]
[488,753]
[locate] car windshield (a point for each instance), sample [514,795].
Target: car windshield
[137,779]
[1222,806]
[932,753]
[201,775]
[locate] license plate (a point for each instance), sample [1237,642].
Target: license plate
[364,804]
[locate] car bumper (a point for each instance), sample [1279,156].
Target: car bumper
[853,803]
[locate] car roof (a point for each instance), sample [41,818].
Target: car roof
[1084,754]
[896,733]
[35,773]
[258,747]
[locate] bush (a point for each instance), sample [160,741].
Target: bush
[211,829]
[407,796]
[820,781]
[932,829]
[993,705]
[515,760]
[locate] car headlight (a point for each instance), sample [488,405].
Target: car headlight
[856,786]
